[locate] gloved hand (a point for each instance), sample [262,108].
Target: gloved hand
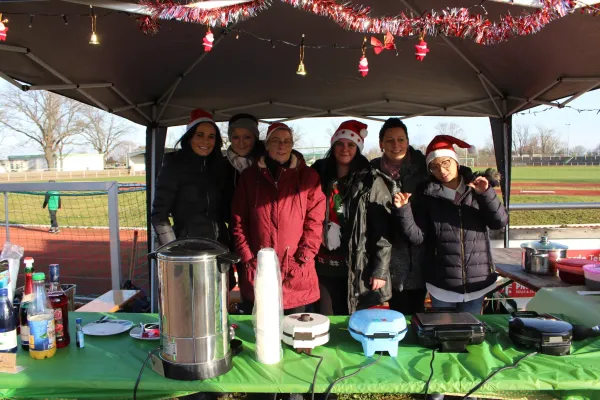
[165,233]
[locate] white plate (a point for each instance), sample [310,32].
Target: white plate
[136,334]
[111,327]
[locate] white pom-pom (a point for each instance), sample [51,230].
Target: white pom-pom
[363,133]
[334,236]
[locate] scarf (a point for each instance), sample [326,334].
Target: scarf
[392,168]
[274,166]
[238,162]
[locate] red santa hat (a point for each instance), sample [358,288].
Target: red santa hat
[443,146]
[198,116]
[352,130]
[277,126]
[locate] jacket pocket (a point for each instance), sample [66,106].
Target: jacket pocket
[298,277]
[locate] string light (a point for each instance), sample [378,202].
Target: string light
[579,110]
[94,38]
[65,20]
[301,69]
[31,21]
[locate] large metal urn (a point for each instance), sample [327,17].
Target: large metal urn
[194,326]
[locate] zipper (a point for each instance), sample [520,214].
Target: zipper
[462,251]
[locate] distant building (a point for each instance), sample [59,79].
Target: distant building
[69,162]
[81,162]
[36,162]
[136,160]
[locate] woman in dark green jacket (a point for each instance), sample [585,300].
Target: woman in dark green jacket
[353,261]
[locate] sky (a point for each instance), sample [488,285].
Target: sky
[578,128]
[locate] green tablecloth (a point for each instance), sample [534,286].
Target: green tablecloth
[108,366]
[584,310]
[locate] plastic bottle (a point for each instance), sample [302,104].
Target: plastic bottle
[60,303]
[8,328]
[79,332]
[40,318]
[27,296]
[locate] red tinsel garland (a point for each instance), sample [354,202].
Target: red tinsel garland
[223,16]
[454,22]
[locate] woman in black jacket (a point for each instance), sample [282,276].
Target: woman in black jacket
[403,169]
[190,186]
[353,260]
[451,214]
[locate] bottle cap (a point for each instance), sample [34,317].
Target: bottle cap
[39,276]
[28,260]
[78,321]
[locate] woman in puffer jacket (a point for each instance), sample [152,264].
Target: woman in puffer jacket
[190,186]
[451,214]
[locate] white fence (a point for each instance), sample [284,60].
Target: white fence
[61,175]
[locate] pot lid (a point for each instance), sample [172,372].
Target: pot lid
[191,249]
[544,244]
[573,262]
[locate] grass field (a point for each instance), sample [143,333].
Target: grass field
[91,210]
[557,174]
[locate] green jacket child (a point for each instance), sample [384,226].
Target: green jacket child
[52,200]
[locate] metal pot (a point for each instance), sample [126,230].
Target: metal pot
[194,326]
[539,257]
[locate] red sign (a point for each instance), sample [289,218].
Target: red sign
[590,255]
[515,290]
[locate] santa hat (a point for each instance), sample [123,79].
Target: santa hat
[275,127]
[198,116]
[443,146]
[352,130]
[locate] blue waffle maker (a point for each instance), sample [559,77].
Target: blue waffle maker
[378,330]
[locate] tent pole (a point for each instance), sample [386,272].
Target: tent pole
[535,96]
[54,72]
[126,100]
[539,102]
[584,91]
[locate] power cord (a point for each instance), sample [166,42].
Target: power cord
[314,382]
[497,371]
[139,378]
[430,374]
[351,375]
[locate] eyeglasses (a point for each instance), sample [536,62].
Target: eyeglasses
[433,168]
[286,142]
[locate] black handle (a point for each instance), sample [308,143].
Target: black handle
[525,314]
[226,260]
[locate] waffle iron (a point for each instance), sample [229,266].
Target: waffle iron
[544,332]
[449,332]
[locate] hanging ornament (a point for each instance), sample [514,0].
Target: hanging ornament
[94,36]
[148,25]
[301,69]
[421,49]
[3,28]
[208,40]
[388,43]
[363,64]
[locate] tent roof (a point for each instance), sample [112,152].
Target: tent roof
[248,75]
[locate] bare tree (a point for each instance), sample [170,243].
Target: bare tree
[450,128]
[548,141]
[120,151]
[103,131]
[521,139]
[579,151]
[47,119]
[372,153]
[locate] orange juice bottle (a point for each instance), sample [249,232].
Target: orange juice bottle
[40,318]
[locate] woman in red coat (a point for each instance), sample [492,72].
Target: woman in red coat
[278,203]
